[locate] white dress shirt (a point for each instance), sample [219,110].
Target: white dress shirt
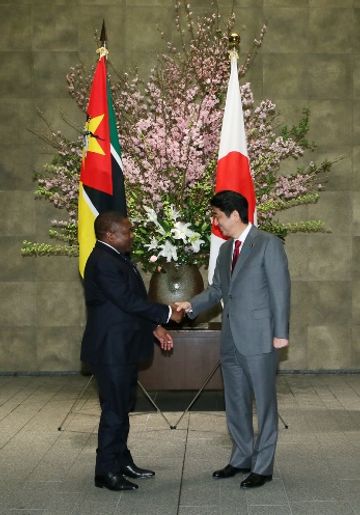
[242,236]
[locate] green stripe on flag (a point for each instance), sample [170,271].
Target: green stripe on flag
[114,137]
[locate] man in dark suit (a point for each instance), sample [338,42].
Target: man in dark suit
[252,279]
[120,329]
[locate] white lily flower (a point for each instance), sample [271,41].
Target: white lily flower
[168,251]
[174,213]
[151,215]
[181,231]
[160,230]
[152,245]
[196,244]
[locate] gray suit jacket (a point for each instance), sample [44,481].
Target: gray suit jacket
[256,296]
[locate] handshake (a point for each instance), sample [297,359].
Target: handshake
[178,310]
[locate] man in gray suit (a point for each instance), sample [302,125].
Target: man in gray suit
[252,279]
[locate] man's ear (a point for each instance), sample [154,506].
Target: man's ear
[109,236]
[235,216]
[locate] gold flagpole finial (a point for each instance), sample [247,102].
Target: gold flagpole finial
[234,45]
[103,51]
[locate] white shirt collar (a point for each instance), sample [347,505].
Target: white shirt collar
[110,246]
[244,234]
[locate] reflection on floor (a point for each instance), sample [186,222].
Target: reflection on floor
[180,400]
[46,471]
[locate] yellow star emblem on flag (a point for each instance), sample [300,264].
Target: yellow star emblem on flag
[91,142]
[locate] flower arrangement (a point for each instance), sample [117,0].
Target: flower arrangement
[167,238]
[170,130]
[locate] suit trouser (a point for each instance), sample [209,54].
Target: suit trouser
[117,390]
[246,378]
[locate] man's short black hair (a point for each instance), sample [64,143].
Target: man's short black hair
[229,201]
[107,222]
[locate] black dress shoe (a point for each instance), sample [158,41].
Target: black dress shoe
[136,472]
[229,471]
[255,480]
[114,482]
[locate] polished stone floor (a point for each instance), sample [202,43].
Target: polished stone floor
[46,471]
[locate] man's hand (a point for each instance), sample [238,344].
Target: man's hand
[280,343]
[177,314]
[185,306]
[164,337]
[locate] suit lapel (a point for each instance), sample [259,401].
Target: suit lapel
[132,267]
[129,263]
[134,272]
[245,251]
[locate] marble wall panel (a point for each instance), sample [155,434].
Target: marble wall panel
[17,212]
[15,31]
[331,122]
[16,167]
[356,122]
[330,3]
[295,356]
[355,346]
[58,348]
[329,302]
[356,213]
[331,30]
[356,258]
[14,267]
[50,70]
[340,177]
[60,304]
[356,75]
[329,76]
[17,115]
[18,305]
[286,3]
[298,262]
[55,27]
[356,168]
[329,347]
[335,208]
[56,266]
[356,28]
[280,38]
[16,74]
[329,258]
[18,349]
[285,76]
[356,302]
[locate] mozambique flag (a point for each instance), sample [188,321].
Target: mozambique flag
[101,177]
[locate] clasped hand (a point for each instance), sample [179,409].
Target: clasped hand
[183,306]
[177,314]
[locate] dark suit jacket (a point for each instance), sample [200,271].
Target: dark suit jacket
[120,319]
